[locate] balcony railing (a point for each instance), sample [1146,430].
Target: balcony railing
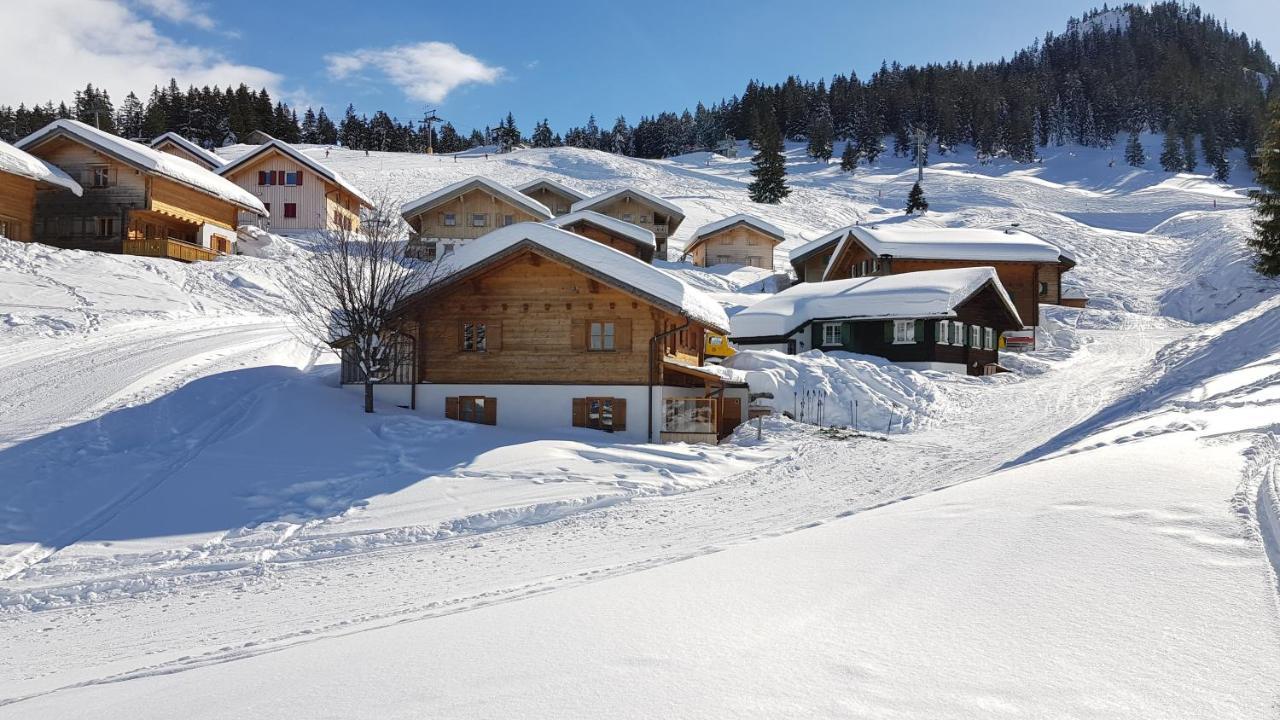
[168,248]
[660,229]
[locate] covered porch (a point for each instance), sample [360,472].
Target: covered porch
[157,234]
[698,406]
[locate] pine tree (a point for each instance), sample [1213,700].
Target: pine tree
[326,131]
[916,200]
[1133,152]
[821,131]
[1188,151]
[1171,153]
[309,127]
[770,171]
[849,158]
[1266,214]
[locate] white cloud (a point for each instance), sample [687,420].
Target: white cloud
[179,11]
[56,46]
[426,72]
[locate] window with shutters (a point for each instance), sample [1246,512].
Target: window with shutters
[600,413]
[755,261]
[449,220]
[106,227]
[989,338]
[644,218]
[100,176]
[904,332]
[291,178]
[479,219]
[831,334]
[723,259]
[474,337]
[957,332]
[602,337]
[626,217]
[975,337]
[944,334]
[472,408]
[291,210]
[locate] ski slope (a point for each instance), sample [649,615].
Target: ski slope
[196,518]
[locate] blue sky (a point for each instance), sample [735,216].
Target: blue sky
[474,61]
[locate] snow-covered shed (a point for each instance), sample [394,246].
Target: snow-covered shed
[935,319]
[539,328]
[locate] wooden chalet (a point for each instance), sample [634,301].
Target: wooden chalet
[175,144]
[299,192]
[810,260]
[1030,268]
[948,320]
[451,217]
[556,197]
[22,178]
[537,328]
[735,240]
[623,236]
[659,216]
[136,200]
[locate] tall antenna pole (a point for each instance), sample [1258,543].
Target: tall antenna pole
[430,119]
[922,139]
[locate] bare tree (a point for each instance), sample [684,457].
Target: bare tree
[350,284]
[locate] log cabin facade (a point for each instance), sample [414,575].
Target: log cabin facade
[175,144]
[622,236]
[540,328]
[736,240]
[453,216]
[947,320]
[1030,268]
[299,192]
[556,197]
[659,216]
[136,200]
[22,178]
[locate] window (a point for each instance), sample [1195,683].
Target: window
[689,415]
[449,220]
[291,178]
[472,408]
[267,205]
[644,218]
[752,240]
[1044,289]
[474,337]
[508,220]
[101,177]
[479,220]
[626,217]
[755,261]
[989,338]
[831,334]
[106,226]
[944,332]
[957,332]
[602,338]
[600,413]
[904,332]
[875,266]
[561,209]
[723,259]
[975,337]
[291,210]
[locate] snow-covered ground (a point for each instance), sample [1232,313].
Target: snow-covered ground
[194,519]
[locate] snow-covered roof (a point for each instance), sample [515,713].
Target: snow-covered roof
[22,163]
[934,243]
[1073,293]
[925,294]
[147,159]
[632,274]
[602,198]
[801,252]
[515,197]
[712,228]
[551,185]
[213,160]
[297,155]
[612,224]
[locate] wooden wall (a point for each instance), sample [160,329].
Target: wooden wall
[64,220]
[169,146]
[737,245]
[317,198]
[604,237]
[537,312]
[171,198]
[429,225]
[557,203]
[812,268]
[17,206]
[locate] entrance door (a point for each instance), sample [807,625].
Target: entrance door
[730,415]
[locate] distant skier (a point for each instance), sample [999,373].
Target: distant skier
[326,153]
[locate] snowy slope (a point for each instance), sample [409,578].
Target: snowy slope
[228,536]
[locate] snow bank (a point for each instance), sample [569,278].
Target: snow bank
[885,394]
[1218,279]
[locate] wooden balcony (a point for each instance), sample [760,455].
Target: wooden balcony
[660,230]
[168,248]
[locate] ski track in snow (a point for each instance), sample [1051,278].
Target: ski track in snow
[249,591]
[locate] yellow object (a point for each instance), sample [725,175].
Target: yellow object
[718,346]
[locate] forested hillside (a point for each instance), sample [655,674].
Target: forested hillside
[1167,68]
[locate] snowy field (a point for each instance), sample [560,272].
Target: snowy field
[195,520]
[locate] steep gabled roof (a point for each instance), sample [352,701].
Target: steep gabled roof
[925,294]
[813,247]
[24,164]
[209,159]
[635,233]
[515,197]
[706,231]
[610,266]
[552,185]
[148,160]
[670,207]
[293,153]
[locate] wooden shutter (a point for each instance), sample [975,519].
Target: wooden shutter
[493,335]
[846,335]
[919,331]
[622,334]
[888,332]
[578,335]
[579,412]
[299,178]
[619,414]
[451,408]
[262,177]
[491,411]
